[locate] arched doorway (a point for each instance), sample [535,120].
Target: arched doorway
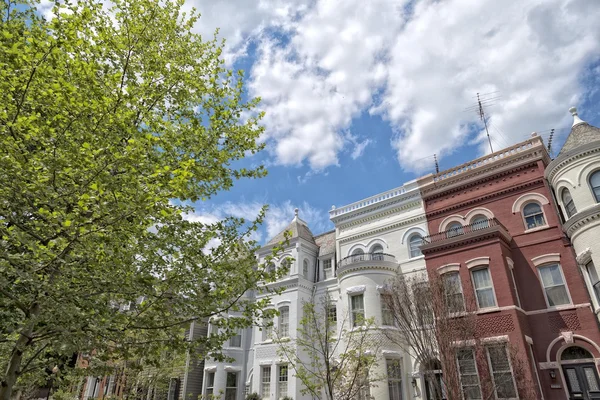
[580,372]
[431,371]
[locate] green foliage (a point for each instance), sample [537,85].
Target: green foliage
[111,120]
[253,396]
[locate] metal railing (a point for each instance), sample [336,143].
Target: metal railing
[462,230]
[365,257]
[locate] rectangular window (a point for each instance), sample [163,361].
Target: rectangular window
[266,383]
[554,285]
[210,383]
[173,389]
[504,382]
[284,322]
[423,308]
[236,340]
[469,379]
[387,317]
[394,373]
[594,281]
[327,273]
[358,309]
[282,382]
[514,282]
[332,313]
[484,289]
[535,371]
[455,302]
[231,386]
[267,329]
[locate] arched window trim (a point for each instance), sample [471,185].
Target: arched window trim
[412,252]
[567,202]
[595,189]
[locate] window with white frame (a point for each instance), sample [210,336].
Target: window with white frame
[265,388]
[394,374]
[484,289]
[358,309]
[231,386]
[332,312]
[568,203]
[305,269]
[358,255]
[514,283]
[479,222]
[594,281]
[414,245]
[210,384]
[236,340]
[284,322]
[500,368]
[327,272]
[287,265]
[595,185]
[554,285]
[377,252]
[423,308]
[455,301]
[454,229]
[282,382]
[387,317]
[267,329]
[533,215]
[469,378]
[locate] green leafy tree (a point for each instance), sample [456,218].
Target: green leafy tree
[333,362]
[111,121]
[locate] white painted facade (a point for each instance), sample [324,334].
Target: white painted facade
[384,223]
[571,171]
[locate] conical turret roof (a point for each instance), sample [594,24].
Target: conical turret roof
[298,227]
[581,133]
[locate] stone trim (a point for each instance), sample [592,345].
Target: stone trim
[584,257]
[495,339]
[444,269]
[477,262]
[545,259]
[379,206]
[527,197]
[384,229]
[570,156]
[391,354]
[356,289]
[581,219]
[510,262]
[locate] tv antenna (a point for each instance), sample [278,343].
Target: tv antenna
[550,141]
[485,100]
[437,166]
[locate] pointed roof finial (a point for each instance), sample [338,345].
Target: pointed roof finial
[296,212]
[576,119]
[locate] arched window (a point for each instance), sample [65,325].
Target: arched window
[305,269]
[575,353]
[595,184]
[287,264]
[377,252]
[568,203]
[454,229]
[358,255]
[270,267]
[479,222]
[534,216]
[414,245]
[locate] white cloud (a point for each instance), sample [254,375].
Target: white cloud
[418,66]
[278,216]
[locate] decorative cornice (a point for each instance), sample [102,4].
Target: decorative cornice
[354,222]
[570,156]
[413,193]
[584,257]
[581,219]
[475,178]
[451,209]
[385,228]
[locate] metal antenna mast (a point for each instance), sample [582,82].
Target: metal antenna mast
[437,166]
[550,142]
[485,100]
[482,116]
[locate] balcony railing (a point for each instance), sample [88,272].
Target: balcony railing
[366,257]
[478,226]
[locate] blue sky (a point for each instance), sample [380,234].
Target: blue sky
[359,95]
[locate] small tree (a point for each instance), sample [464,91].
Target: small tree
[436,323]
[331,359]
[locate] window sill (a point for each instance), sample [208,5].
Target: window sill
[488,310]
[537,228]
[268,341]
[562,307]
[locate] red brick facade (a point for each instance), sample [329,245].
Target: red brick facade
[494,186]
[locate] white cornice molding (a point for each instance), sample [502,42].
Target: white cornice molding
[385,228]
[564,159]
[353,221]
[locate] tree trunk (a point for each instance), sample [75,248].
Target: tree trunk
[16,357]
